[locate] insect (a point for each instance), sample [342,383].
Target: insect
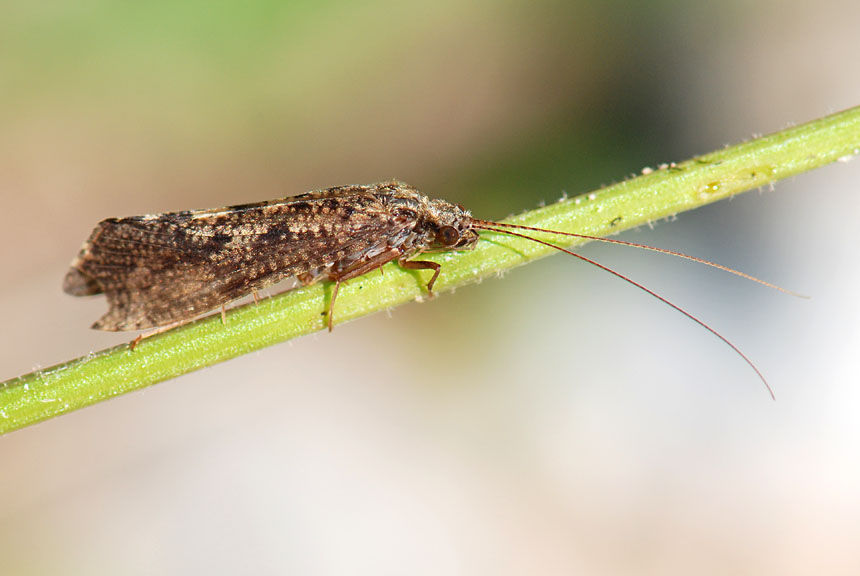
[162,270]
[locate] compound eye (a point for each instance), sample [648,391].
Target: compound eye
[447,236]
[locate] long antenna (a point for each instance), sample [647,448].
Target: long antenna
[492,227]
[484,223]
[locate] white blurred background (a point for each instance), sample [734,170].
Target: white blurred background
[553,422]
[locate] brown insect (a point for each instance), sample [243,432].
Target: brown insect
[162,270]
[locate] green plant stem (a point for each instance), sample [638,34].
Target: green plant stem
[664,192]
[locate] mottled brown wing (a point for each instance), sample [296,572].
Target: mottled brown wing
[164,268]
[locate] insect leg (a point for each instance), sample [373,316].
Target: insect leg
[354,271]
[423,265]
[330,311]
[158,330]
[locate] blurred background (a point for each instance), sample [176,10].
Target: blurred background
[554,421]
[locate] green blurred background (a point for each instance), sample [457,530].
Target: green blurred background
[554,422]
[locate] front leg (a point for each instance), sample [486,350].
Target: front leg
[355,270]
[423,265]
[364,266]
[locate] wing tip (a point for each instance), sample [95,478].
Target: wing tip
[78,283]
